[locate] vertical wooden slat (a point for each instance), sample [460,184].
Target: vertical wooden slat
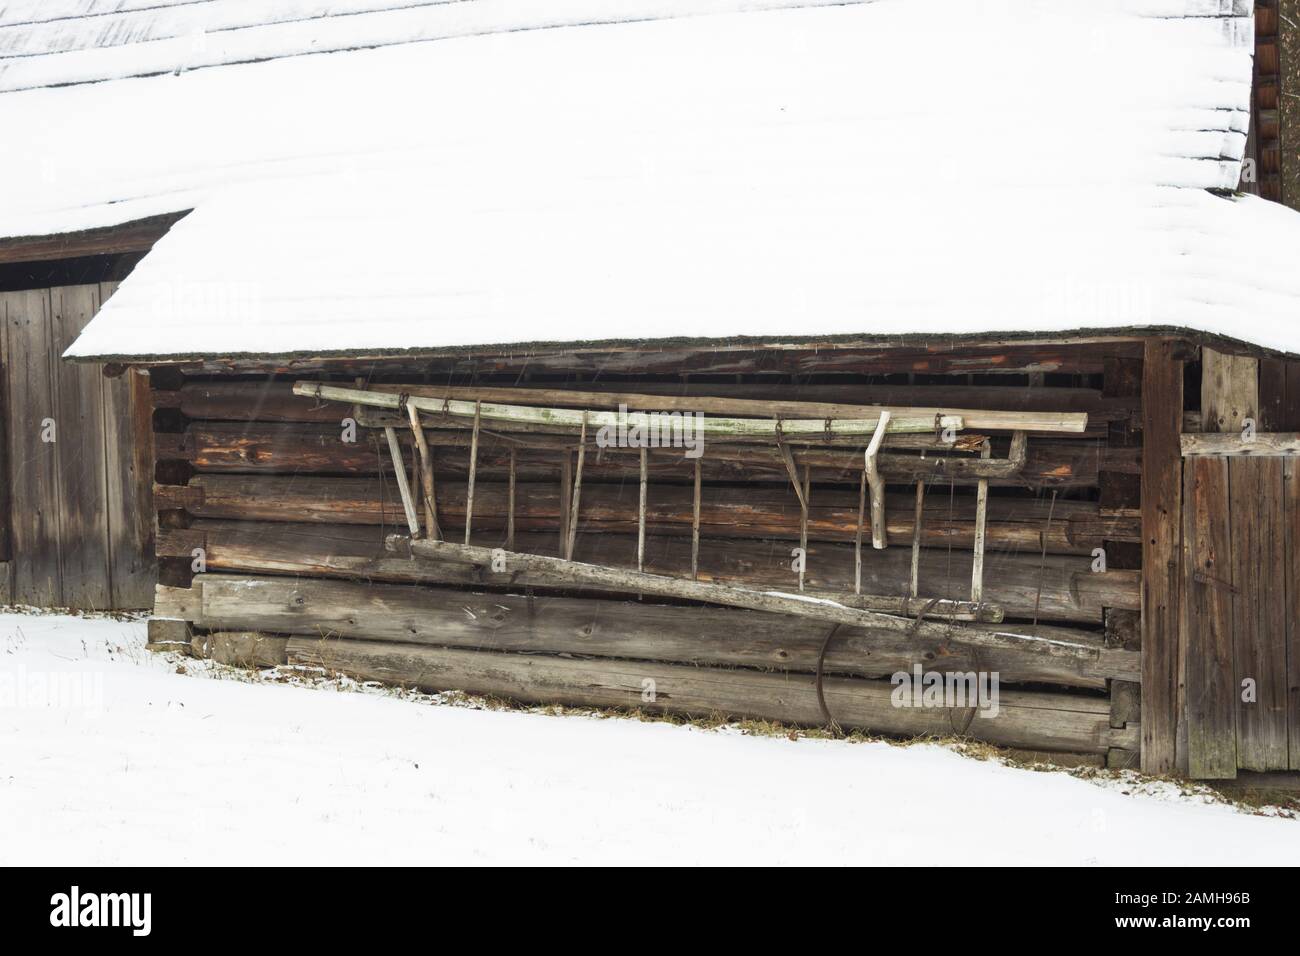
[981,527]
[876,485]
[473,473]
[426,475]
[572,539]
[1207,584]
[128,457]
[1259,620]
[82,483]
[33,464]
[1162,418]
[1289,420]
[804,498]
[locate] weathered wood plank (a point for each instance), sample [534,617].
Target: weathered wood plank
[1162,419]
[34,467]
[1014,524]
[1207,586]
[1057,722]
[501,567]
[601,627]
[1259,445]
[128,453]
[82,466]
[1259,612]
[704,403]
[1070,591]
[318,449]
[273,400]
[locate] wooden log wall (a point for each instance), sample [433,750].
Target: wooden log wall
[271,523]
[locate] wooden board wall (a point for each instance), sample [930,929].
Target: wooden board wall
[79,526]
[1240,565]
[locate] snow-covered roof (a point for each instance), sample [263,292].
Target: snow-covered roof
[776,169]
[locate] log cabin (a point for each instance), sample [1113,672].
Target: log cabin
[943,389]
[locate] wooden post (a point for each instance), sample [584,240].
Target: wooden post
[399,470]
[695,527]
[426,475]
[879,539]
[473,468]
[981,522]
[640,515]
[1162,419]
[577,492]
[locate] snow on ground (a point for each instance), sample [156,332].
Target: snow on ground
[109,756]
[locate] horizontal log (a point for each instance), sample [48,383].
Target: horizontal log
[500,565]
[252,448]
[1259,445]
[706,404]
[1070,591]
[1014,524]
[1041,721]
[605,628]
[263,400]
[241,648]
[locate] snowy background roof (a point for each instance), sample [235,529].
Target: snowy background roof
[864,169]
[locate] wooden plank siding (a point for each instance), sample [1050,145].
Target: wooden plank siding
[35,507]
[1210,688]
[80,522]
[80,475]
[1240,568]
[128,462]
[1162,419]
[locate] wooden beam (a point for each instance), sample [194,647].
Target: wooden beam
[399,471]
[981,528]
[473,473]
[426,476]
[905,420]
[1234,444]
[578,573]
[1062,722]
[585,626]
[876,485]
[1071,592]
[136,236]
[1162,419]
[974,418]
[575,506]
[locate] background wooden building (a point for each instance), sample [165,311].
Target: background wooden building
[692,243]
